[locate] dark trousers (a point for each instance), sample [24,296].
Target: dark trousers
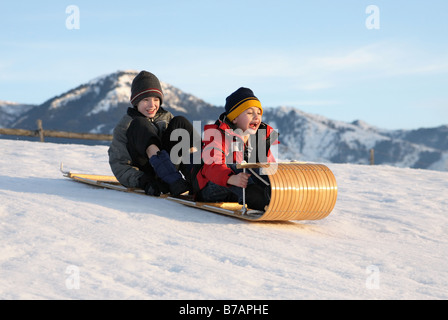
[142,133]
[216,193]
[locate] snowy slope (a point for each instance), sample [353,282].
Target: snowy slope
[386,238]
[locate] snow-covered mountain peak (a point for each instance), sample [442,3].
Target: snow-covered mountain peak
[112,89]
[118,92]
[11,110]
[97,105]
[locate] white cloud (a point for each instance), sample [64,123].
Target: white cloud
[359,58]
[378,61]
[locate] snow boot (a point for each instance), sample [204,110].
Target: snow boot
[257,197]
[166,171]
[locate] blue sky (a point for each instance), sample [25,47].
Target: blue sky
[318,56]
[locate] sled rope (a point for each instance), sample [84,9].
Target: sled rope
[260,178]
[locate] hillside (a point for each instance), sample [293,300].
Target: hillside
[97,106]
[385,239]
[10,111]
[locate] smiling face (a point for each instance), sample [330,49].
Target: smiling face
[249,121]
[149,106]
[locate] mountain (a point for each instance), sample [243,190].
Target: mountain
[9,111]
[431,137]
[98,105]
[316,138]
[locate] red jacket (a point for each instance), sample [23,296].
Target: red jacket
[222,145]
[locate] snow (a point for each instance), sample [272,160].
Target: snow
[11,110]
[75,94]
[442,164]
[385,239]
[119,94]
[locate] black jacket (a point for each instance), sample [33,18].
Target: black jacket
[120,160]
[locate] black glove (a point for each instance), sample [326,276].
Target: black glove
[150,185]
[152,189]
[163,187]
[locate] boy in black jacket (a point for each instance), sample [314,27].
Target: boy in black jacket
[139,152]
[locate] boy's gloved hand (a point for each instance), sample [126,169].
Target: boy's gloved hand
[152,189]
[150,185]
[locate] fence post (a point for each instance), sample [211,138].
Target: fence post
[372,157]
[40,130]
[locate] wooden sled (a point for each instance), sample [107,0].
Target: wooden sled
[299,191]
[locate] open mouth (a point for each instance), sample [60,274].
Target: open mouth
[253,125]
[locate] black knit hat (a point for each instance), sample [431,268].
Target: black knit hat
[239,101]
[144,85]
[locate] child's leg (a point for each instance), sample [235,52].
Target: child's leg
[216,193]
[141,134]
[166,171]
[258,197]
[181,123]
[258,194]
[143,145]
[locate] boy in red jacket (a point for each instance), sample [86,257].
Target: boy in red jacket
[238,135]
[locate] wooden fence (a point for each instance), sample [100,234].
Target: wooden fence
[41,133]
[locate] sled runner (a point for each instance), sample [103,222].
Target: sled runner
[299,191]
